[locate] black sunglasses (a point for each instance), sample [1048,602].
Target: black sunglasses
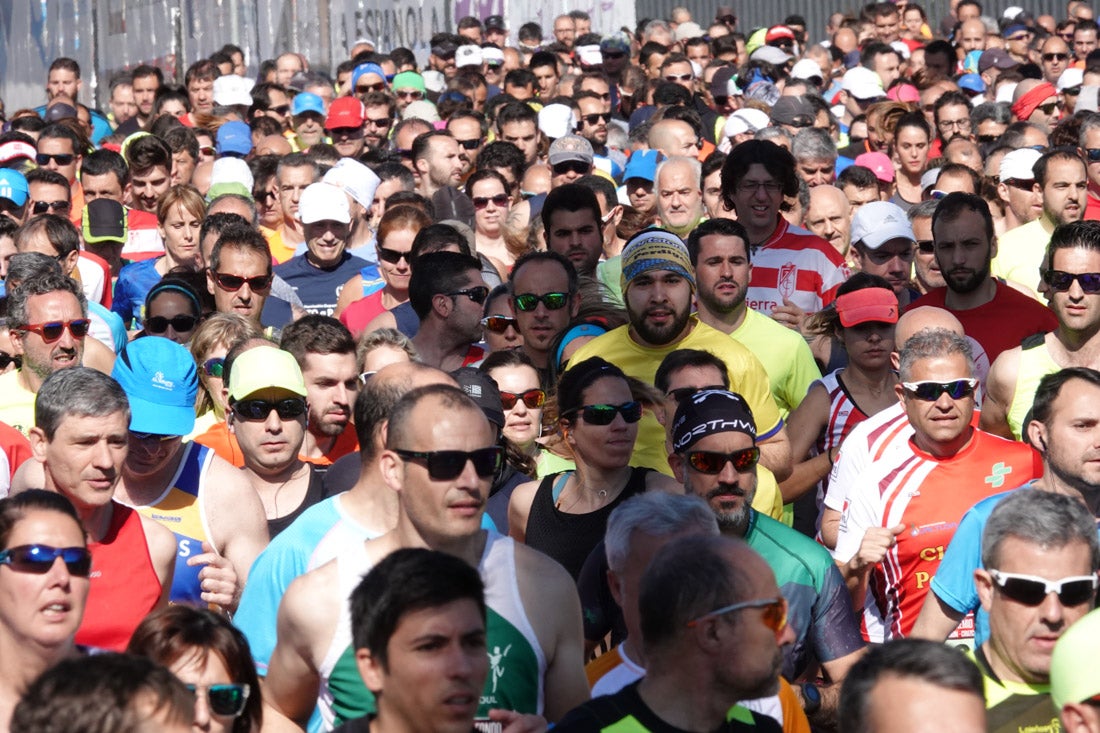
[1060,281]
[712,462]
[7,359]
[571,166]
[445,465]
[605,414]
[500,201]
[929,391]
[527,302]
[470,144]
[227,701]
[1031,590]
[392,256]
[236,282]
[60,158]
[38,559]
[597,118]
[45,207]
[926,246]
[288,409]
[478,294]
[180,323]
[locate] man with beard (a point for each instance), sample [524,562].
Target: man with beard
[883,244]
[447,292]
[658,283]
[992,313]
[951,114]
[1073,253]
[378,119]
[325,352]
[715,456]
[699,665]
[722,260]
[909,503]
[1063,182]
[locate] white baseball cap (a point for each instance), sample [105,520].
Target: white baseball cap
[468,55]
[1019,165]
[862,83]
[357,180]
[878,222]
[323,202]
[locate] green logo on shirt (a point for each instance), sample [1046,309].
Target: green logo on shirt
[997,478]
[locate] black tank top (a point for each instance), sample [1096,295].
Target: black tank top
[569,538]
[314,493]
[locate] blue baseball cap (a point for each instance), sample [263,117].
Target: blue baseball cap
[643,164]
[161,382]
[13,186]
[363,69]
[307,102]
[971,83]
[234,138]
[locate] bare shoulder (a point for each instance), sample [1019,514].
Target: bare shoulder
[545,578]
[384,319]
[160,540]
[311,600]
[657,481]
[31,475]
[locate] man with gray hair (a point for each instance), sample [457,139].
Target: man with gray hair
[679,194]
[1040,557]
[700,661]
[636,531]
[814,156]
[908,504]
[80,439]
[48,317]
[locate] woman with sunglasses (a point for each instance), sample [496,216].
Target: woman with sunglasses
[523,400]
[565,515]
[862,318]
[499,324]
[209,655]
[911,144]
[209,344]
[363,297]
[41,599]
[172,310]
[180,213]
[489,192]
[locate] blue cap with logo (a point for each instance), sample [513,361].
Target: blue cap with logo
[161,381]
[13,186]
[307,102]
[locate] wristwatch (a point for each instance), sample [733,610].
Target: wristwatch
[811,698]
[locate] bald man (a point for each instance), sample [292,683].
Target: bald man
[885,432]
[829,217]
[674,137]
[1046,113]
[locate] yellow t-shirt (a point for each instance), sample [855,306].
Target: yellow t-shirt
[16,403]
[786,358]
[747,378]
[1020,252]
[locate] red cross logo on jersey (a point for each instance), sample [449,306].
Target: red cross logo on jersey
[788,279]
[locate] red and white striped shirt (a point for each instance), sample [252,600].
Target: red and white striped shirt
[795,265]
